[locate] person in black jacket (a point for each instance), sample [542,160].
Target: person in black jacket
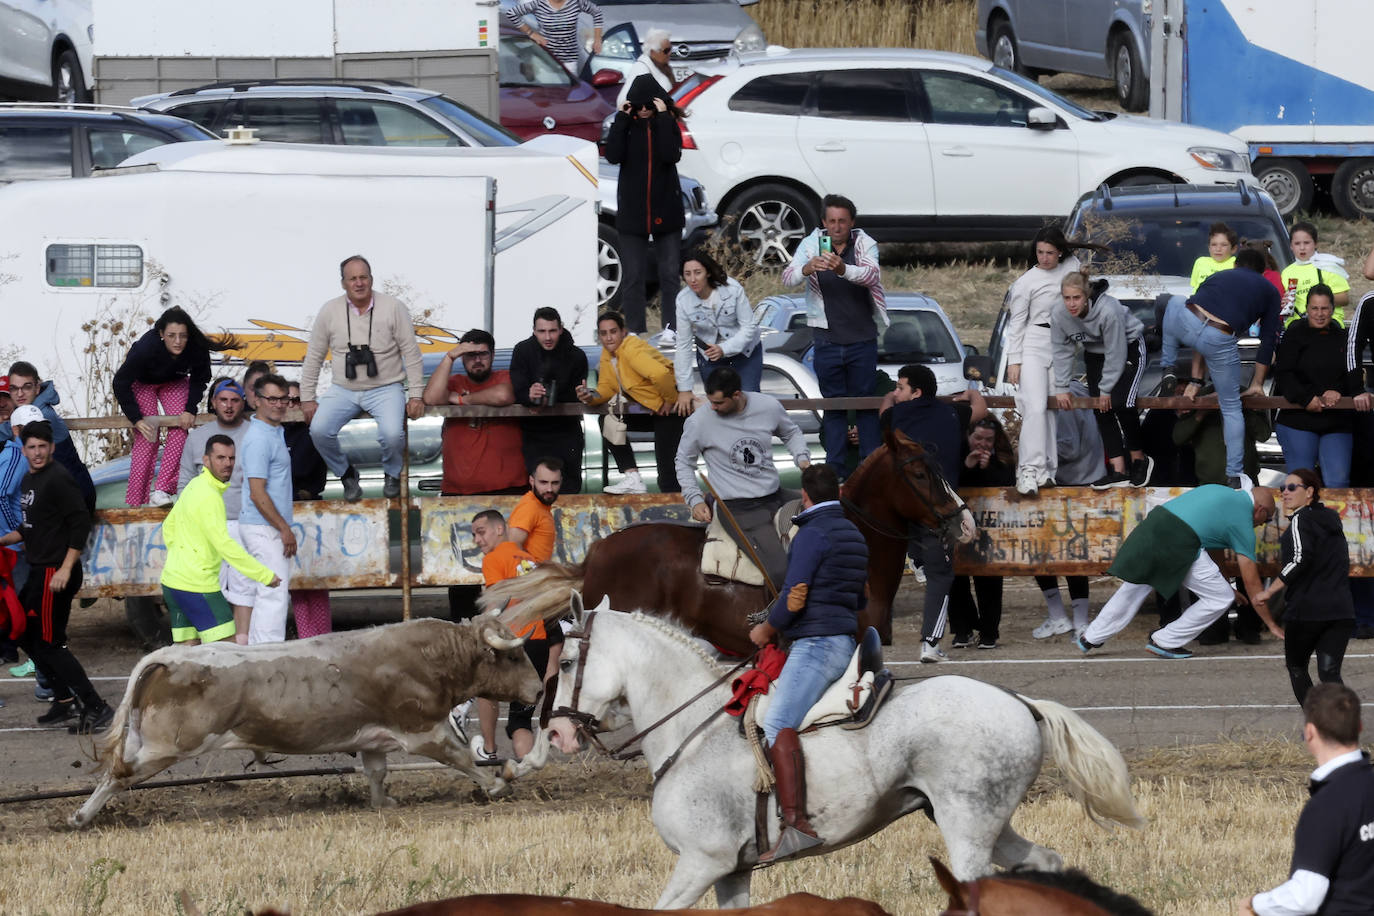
[644,140]
[54,531]
[1311,370]
[169,364]
[1318,614]
[547,368]
[989,461]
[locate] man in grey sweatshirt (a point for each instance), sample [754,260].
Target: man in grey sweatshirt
[736,438]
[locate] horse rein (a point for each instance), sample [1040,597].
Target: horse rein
[940,517]
[587,725]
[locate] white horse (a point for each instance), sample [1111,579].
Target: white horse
[963,751]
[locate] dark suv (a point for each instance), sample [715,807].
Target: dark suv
[40,141]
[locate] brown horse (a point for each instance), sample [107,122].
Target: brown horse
[656,566]
[531,905]
[1033,893]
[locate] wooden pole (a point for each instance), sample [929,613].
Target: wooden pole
[405,520]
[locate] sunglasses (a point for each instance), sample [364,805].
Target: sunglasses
[1292,487]
[295,401]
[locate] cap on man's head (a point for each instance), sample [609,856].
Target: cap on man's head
[5,385]
[228,384]
[25,415]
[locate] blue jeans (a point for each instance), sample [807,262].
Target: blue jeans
[1302,449]
[847,371]
[1223,362]
[338,405]
[750,368]
[813,664]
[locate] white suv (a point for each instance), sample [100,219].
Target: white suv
[45,49]
[928,145]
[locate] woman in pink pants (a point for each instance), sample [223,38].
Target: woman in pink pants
[170,366]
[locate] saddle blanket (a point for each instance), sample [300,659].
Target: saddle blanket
[841,700]
[725,559]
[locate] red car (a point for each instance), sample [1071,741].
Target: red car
[539,96]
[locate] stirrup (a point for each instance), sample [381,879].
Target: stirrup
[790,842]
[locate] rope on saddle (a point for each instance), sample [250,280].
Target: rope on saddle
[763,776]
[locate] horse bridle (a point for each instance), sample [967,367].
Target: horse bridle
[587,724]
[940,517]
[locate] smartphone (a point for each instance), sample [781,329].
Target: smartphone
[826,247]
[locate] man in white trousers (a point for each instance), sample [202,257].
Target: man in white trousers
[265,516]
[1169,549]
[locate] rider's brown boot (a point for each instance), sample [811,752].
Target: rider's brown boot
[789,768]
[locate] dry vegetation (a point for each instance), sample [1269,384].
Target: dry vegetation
[946,25]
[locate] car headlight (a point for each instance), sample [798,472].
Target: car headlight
[1222,160]
[750,38]
[618,45]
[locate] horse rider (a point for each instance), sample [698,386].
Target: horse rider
[818,610]
[736,438]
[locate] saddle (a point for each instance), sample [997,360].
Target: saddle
[854,699]
[723,558]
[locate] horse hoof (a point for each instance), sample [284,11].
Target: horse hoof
[500,789]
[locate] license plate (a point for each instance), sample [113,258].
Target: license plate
[681,73]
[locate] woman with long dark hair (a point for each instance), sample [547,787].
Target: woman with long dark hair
[717,325]
[1318,615]
[169,365]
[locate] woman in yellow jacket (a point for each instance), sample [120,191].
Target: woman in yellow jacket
[638,382]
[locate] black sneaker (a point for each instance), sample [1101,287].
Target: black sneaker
[1111,479]
[984,643]
[1250,637]
[962,641]
[1142,469]
[391,487]
[94,720]
[353,491]
[60,712]
[1234,483]
[1365,632]
[1168,384]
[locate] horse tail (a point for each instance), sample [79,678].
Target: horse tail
[1092,766]
[541,594]
[110,747]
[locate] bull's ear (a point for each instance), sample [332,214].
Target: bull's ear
[577,608]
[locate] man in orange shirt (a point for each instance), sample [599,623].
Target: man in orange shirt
[504,559]
[531,522]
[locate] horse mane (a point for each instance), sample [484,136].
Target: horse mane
[677,633]
[1076,882]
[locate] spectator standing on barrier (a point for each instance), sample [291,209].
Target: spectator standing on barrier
[1222,242]
[1309,269]
[54,530]
[1318,615]
[170,365]
[735,438]
[913,409]
[531,521]
[557,31]
[196,533]
[717,325]
[637,382]
[1113,345]
[1031,301]
[546,368]
[989,461]
[1168,549]
[309,606]
[370,340]
[265,516]
[846,310]
[26,387]
[1209,322]
[1332,870]
[1310,370]
[645,140]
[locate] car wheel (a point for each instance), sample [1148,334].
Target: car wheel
[610,272]
[769,222]
[1288,182]
[1140,180]
[1005,51]
[69,85]
[1132,85]
[1352,190]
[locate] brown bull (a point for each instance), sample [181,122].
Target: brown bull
[531,905]
[368,691]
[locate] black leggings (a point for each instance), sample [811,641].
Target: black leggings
[1327,638]
[1120,426]
[1078,585]
[667,430]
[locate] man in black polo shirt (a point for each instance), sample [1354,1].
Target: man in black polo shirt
[1333,846]
[940,428]
[54,531]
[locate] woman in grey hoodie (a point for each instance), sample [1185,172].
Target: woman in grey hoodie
[1114,354]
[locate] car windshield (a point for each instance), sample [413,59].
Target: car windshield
[917,336]
[482,131]
[1046,95]
[524,63]
[1168,246]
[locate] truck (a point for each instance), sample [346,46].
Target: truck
[1286,77]
[142,47]
[248,238]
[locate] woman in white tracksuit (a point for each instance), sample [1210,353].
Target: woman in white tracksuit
[1032,300]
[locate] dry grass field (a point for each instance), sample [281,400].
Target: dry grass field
[1220,826]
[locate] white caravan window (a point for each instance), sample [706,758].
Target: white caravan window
[95,266]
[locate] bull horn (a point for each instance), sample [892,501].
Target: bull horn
[498,611]
[497,641]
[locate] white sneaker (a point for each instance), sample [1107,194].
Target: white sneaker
[479,750]
[931,653]
[458,718]
[630,483]
[1027,483]
[668,338]
[1052,626]
[160,499]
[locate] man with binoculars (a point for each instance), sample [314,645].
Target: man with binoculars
[370,340]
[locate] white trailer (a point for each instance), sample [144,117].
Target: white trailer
[248,239]
[150,46]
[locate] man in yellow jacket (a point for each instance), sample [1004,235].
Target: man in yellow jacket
[639,383]
[197,537]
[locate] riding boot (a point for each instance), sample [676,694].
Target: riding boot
[789,768]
